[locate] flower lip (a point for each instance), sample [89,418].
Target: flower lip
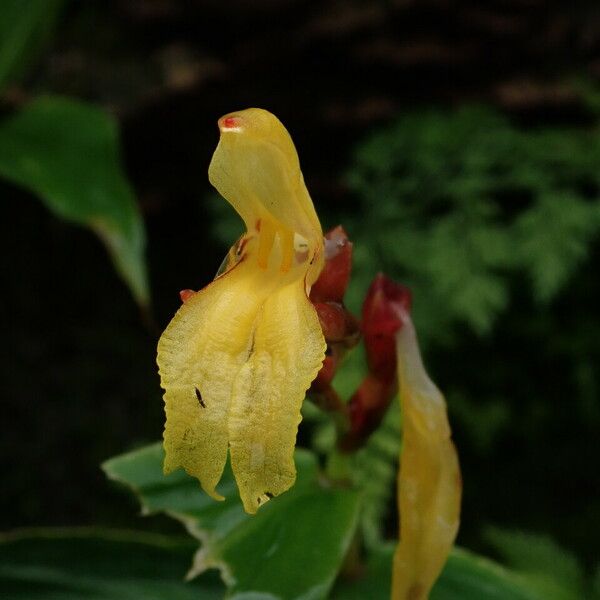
[230,123]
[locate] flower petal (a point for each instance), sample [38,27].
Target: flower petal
[238,357]
[265,408]
[199,355]
[429,486]
[256,169]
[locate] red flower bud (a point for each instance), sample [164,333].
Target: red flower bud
[383,309]
[381,319]
[333,281]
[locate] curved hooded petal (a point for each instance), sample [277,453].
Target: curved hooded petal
[429,485]
[238,357]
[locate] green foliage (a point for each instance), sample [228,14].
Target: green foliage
[97,564]
[67,152]
[292,548]
[554,571]
[465,575]
[452,203]
[25,27]
[295,546]
[375,469]
[483,421]
[543,571]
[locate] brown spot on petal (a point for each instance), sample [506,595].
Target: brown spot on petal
[199,396]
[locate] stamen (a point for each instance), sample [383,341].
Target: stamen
[301,248]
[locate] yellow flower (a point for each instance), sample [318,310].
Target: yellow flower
[239,355]
[429,483]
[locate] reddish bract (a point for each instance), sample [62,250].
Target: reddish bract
[381,319]
[185,295]
[336,322]
[384,305]
[340,327]
[333,281]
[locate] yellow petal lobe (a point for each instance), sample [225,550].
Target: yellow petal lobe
[429,483]
[203,348]
[268,392]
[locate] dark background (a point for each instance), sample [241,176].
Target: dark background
[77,362]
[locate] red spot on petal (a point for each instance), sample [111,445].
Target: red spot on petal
[227,123]
[257,225]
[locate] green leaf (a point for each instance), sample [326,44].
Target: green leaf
[25,26]
[552,569]
[465,575]
[95,564]
[67,152]
[293,547]
[374,582]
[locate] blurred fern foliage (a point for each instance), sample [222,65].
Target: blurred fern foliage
[452,203]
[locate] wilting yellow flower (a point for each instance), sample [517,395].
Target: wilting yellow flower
[239,355]
[429,483]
